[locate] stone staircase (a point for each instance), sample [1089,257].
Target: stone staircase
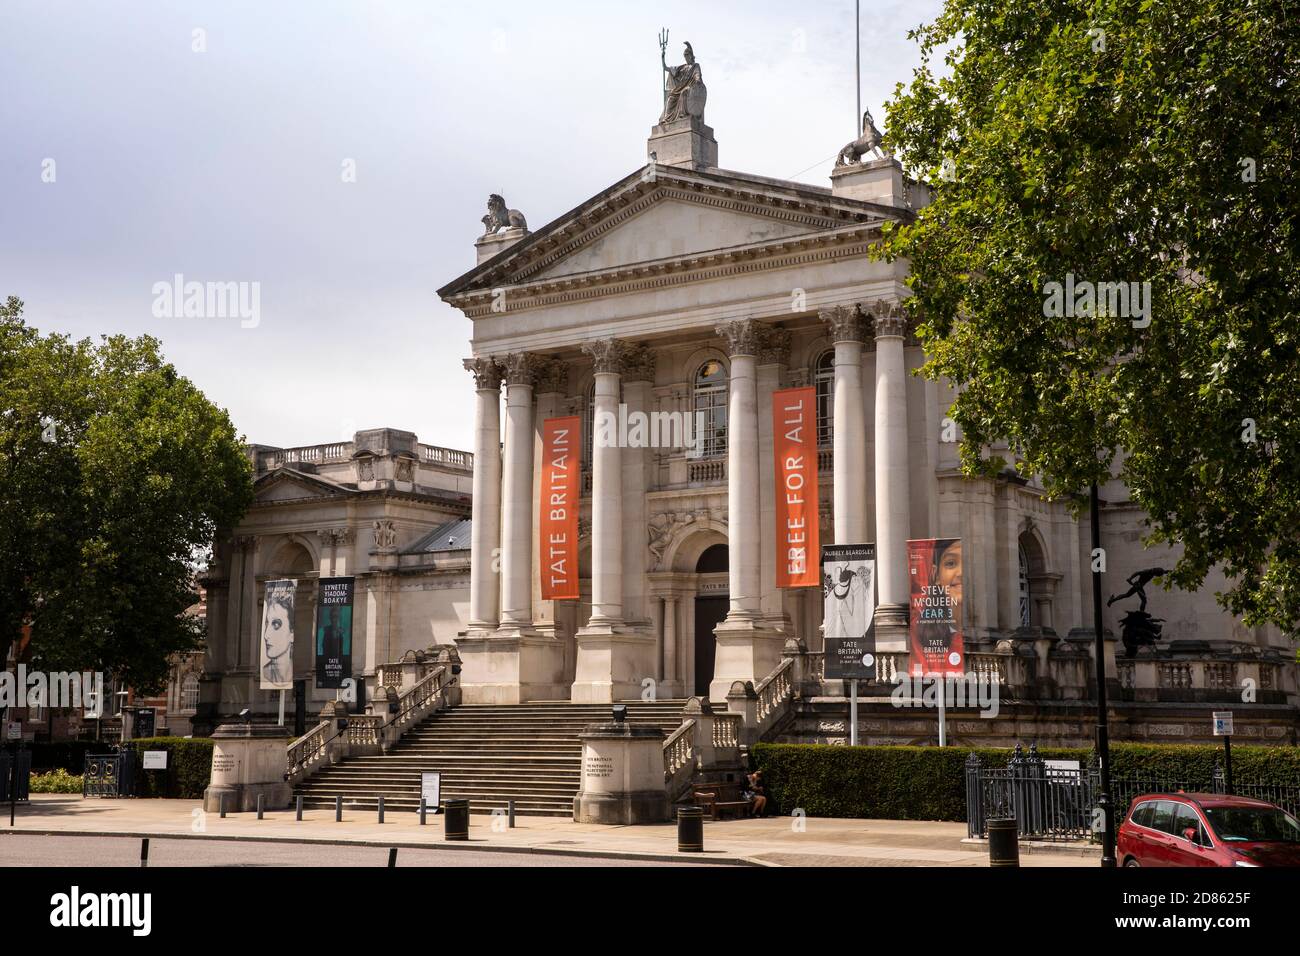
[486,753]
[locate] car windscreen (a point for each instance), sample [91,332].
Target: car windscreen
[1252,824]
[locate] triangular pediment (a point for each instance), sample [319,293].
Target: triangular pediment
[286,485]
[653,218]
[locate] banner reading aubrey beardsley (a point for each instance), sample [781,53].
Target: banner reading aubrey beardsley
[558,508]
[275,650]
[935,625]
[334,632]
[849,586]
[794,444]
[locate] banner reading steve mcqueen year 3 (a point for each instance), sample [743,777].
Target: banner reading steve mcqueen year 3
[936,603]
[334,632]
[558,537]
[794,448]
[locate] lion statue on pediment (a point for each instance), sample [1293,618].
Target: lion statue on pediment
[499,217]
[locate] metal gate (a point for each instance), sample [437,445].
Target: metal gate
[108,775]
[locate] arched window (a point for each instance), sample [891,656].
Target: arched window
[824,380]
[190,692]
[1025,613]
[709,400]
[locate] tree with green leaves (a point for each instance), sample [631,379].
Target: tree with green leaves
[1108,272]
[115,475]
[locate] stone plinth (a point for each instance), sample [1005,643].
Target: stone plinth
[612,661]
[511,667]
[248,760]
[746,651]
[874,180]
[685,142]
[622,775]
[488,246]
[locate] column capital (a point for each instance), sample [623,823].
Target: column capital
[552,376]
[638,364]
[522,368]
[890,318]
[744,336]
[487,373]
[774,349]
[846,323]
[606,354]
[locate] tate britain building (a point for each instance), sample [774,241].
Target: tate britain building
[560,567]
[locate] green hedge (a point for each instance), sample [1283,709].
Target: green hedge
[929,783]
[189,767]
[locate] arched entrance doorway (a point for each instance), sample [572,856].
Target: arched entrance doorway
[711,601]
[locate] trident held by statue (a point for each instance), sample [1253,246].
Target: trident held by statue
[663,60]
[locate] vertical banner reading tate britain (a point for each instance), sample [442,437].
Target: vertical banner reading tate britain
[334,632]
[936,619]
[794,448]
[558,525]
[849,588]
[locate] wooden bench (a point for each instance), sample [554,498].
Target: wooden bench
[719,798]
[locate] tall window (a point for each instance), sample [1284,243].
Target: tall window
[588,427]
[710,398]
[1024,588]
[190,692]
[824,380]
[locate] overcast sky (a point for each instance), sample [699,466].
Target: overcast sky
[227,165]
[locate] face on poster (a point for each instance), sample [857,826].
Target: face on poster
[276,645]
[849,590]
[935,621]
[334,632]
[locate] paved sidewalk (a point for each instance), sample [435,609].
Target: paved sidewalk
[774,841]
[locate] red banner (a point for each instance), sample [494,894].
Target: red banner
[936,597]
[794,448]
[558,537]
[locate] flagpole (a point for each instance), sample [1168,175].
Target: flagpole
[857,59]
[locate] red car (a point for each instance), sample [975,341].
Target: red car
[1207,829]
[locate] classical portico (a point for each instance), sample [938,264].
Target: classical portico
[685,294]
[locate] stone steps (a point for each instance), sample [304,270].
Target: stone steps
[486,753]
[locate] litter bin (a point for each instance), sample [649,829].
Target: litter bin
[690,830]
[455,819]
[1004,842]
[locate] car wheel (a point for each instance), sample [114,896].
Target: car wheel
[1131,862]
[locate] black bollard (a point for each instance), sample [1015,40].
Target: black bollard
[690,830]
[455,819]
[259,806]
[299,808]
[1004,843]
[423,807]
[381,808]
[392,857]
[338,809]
[144,853]
[221,799]
[510,811]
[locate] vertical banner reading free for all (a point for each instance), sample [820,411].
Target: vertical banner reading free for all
[794,445]
[558,525]
[334,632]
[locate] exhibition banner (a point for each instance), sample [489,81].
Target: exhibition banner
[334,632]
[935,621]
[558,508]
[849,586]
[794,441]
[275,650]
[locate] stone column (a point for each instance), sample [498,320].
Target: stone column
[670,640]
[613,655]
[893,505]
[747,649]
[517,495]
[848,331]
[638,380]
[773,356]
[485,538]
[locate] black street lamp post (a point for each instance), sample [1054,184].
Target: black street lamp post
[1103,734]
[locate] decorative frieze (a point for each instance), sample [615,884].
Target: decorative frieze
[487,373]
[845,322]
[606,354]
[744,336]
